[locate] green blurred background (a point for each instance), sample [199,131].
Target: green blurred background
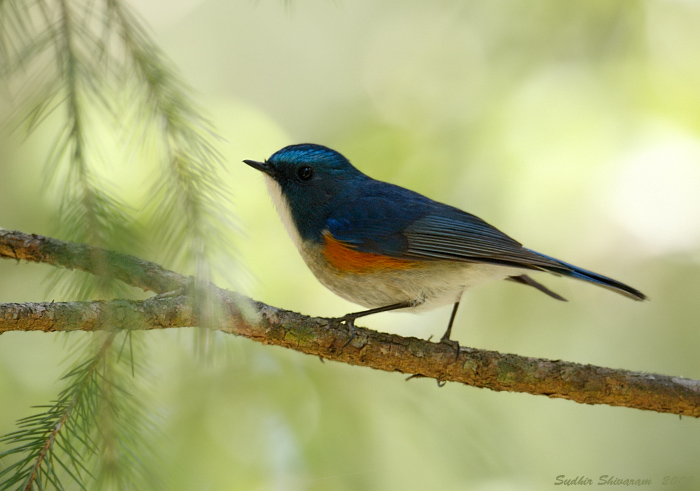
[572,126]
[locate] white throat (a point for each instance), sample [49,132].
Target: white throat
[283,209]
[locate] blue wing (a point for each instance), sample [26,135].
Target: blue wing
[420,228]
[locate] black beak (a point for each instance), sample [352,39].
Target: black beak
[261,166]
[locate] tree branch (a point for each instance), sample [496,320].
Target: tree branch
[131,270]
[327,338]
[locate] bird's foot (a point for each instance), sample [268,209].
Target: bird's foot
[451,343]
[349,321]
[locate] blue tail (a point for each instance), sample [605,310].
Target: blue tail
[572,271]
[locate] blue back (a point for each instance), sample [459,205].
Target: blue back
[378,217]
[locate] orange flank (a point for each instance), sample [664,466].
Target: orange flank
[348,260]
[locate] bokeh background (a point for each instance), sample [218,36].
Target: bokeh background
[573,126]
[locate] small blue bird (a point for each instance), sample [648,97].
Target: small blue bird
[388,248]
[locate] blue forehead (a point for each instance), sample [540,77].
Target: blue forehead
[309,153]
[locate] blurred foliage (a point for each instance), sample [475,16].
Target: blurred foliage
[93,433]
[572,126]
[89,75]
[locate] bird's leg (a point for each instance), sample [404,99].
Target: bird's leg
[445,339]
[349,319]
[394,306]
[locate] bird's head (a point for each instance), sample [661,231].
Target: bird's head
[304,179]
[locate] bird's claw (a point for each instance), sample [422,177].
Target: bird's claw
[451,343]
[350,323]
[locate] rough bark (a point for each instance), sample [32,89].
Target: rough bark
[327,338]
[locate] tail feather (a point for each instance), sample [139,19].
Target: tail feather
[572,271]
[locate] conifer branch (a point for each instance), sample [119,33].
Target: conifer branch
[327,338]
[78,59]
[40,435]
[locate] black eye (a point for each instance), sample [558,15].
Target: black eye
[305,173]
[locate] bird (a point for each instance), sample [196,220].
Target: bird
[388,248]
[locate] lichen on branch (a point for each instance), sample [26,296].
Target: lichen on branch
[327,338]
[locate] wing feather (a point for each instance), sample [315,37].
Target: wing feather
[399,223]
